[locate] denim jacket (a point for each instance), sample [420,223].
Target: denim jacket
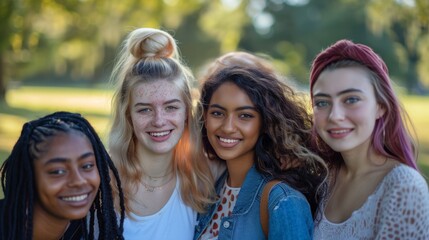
[289,212]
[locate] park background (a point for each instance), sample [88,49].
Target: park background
[58,54]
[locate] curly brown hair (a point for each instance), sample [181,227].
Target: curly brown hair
[283,148]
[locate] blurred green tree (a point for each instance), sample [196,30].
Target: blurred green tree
[72,38]
[20,37]
[6,8]
[300,29]
[406,22]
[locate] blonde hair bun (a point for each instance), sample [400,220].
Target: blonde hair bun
[151,43]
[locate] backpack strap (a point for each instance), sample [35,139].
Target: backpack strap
[263,212]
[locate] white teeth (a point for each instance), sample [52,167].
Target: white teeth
[228,140]
[75,198]
[339,131]
[159,134]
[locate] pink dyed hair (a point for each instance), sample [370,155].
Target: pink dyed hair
[390,136]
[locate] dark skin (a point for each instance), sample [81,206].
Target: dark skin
[45,229]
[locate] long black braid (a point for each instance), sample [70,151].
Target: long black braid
[17,179]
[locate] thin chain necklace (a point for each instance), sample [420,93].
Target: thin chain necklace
[152,178]
[150,188]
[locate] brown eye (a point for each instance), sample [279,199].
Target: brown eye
[216,114]
[59,171]
[88,166]
[246,115]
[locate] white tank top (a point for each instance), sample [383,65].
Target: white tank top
[174,221]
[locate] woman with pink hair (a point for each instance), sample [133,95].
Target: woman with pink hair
[375,190]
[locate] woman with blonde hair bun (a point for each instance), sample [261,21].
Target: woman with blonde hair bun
[154,139]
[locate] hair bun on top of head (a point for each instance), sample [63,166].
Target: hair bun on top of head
[348,50]
[151,43]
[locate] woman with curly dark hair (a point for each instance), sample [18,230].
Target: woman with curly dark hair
[259,127]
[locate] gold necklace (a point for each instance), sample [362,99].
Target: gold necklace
[150,188]
[153,178]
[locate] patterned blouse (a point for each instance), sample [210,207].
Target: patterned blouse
[229,198]
[397,209]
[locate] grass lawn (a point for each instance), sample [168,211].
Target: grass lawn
[26,103]
[416,107]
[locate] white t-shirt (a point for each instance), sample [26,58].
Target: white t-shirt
[398,209]
[174,221]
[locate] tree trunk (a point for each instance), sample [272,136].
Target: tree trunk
[412,77]
[2,81]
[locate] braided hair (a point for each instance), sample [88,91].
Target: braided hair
[18,181]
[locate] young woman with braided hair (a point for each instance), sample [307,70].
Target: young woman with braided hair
[57,173]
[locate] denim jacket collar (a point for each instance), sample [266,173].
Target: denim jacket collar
[252,184]
[291,219]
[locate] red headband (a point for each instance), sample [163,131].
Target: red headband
[347,50]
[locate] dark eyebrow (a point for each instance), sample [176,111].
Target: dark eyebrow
[349,90]
[63,160]
[237,109]
[166,103]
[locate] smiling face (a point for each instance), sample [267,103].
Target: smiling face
[233,123]
[158,115]
[67,178]
[345,108]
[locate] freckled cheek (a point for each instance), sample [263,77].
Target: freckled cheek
[179,117]
[140,122]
